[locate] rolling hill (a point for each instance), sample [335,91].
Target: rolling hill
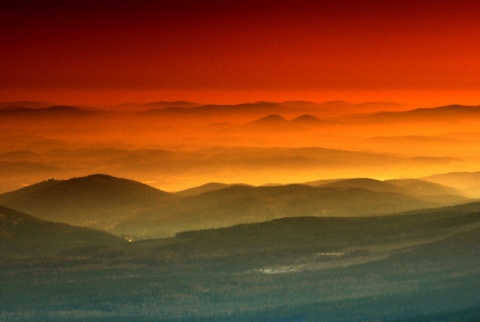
[25,236]
[425,188]
[326,234]
[289,269]
[413,187]
[246,204]
[94,201]
[306,120]
[272,120]
[201,189]
[128,207]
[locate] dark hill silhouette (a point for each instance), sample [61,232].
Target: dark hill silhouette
[59,111]
[306,120]
[49,109]
[60,108]
[220,113]
[441,113]
[290,239]
[305,233]
[446,110]
[308,269]
[244,204]
[334,109]
[26,191]
[269,121]
[314,243]
[95,200]
[24,236]
[23,104]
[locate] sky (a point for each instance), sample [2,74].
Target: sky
[230,51]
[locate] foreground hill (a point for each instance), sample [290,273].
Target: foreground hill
[415,266]
[289,239]
[246,204]
[24,236]
[96,200]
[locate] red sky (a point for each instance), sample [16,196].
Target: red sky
[239,50]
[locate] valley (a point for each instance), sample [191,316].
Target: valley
[293,268]
[290,267]
[211,161]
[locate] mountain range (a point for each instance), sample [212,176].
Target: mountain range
[126,207]
[65,140]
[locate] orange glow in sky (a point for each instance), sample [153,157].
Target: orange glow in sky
[221,51]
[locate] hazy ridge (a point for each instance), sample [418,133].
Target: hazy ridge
[126,207]
[258,211]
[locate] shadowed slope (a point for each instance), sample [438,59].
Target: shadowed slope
[96,200]
[244,204]
[24,236]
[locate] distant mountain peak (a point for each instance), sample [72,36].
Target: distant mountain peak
[307,119]
[270,119]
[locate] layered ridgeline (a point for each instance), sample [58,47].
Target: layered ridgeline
[222,207]
[465,181]
[24,236]
[237,142]
[304,268]
[125,207]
